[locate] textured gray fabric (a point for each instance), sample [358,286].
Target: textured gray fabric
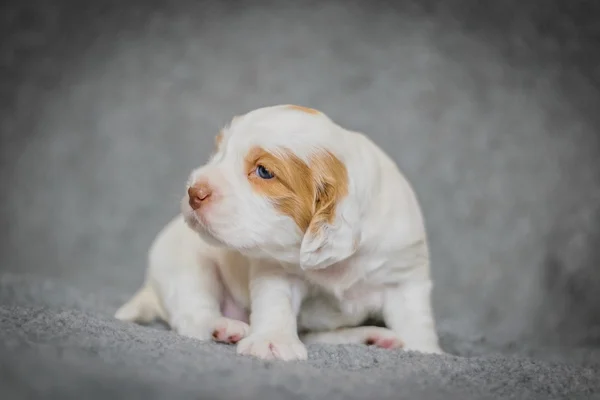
[72,347]
[490,108]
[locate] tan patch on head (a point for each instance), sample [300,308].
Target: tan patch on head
[308,193]
[304,109]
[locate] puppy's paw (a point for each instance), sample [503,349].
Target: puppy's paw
[192,326]
[273,346]
[229,330]
[384,338]
[220,329]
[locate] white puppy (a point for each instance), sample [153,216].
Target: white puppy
[307,227]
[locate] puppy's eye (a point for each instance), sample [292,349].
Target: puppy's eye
[264,173]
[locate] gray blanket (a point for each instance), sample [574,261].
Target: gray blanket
[490,108]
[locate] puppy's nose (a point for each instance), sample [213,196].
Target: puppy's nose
[198,194]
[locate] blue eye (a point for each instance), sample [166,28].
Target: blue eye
[264,173]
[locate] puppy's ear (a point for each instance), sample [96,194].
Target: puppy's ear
[333,233]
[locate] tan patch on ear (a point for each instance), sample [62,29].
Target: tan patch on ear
[304,109]
[331,181]
[308,193]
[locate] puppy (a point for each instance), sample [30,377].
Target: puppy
[296,231]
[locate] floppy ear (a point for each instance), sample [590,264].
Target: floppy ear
[334,232]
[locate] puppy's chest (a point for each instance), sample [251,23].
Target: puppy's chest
[355,283]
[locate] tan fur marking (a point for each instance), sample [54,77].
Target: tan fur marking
[291,189]
[307,193]
[331,181]
[304,109]
[218,140]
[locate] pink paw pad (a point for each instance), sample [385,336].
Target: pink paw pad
[220,335]
[385,342]
[234,338]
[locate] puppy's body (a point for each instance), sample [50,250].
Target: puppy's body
[181,265]
[332,236]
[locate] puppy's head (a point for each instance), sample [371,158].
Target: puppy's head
[277,186]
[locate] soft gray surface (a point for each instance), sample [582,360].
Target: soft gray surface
[491,111]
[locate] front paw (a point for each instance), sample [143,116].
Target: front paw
[219,329]
[273,346]
[229,330]
[193,327]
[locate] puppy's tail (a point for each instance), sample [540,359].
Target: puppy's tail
[144,307]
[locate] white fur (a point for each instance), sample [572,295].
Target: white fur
[372,261]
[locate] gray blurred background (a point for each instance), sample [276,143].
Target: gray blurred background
[492,110]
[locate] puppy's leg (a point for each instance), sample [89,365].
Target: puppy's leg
[192,296]
[407,311]
[369,335]
[275,299]
[183,287]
